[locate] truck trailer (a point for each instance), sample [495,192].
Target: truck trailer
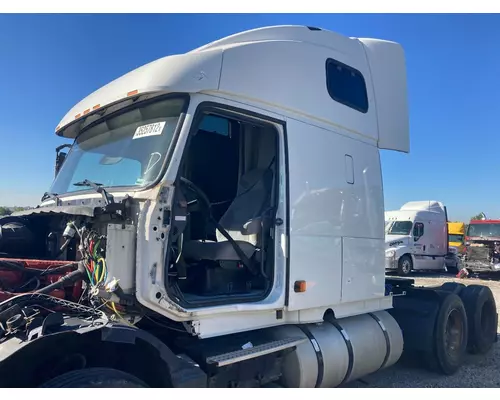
[218,221]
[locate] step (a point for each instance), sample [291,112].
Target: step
[253,352]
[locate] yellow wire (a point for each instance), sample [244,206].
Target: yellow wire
[118,314]
[103,269]
[113,306]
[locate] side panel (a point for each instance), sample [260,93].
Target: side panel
[362,277]
[326,210]
[432,246]
[255,71]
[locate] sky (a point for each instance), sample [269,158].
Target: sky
[48,63]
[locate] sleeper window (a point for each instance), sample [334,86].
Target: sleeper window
[346,85]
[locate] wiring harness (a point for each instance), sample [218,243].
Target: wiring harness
[100,289]
[93,255]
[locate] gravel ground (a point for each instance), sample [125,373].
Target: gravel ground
[478,371]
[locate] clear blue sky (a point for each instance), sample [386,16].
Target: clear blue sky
[50,62]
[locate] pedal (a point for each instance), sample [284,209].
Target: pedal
[253,352]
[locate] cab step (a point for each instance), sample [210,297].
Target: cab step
[253,352]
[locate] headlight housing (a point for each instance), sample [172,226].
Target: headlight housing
[390,254]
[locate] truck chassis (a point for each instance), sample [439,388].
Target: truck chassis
[79,345]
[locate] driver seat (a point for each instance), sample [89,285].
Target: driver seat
[244,221]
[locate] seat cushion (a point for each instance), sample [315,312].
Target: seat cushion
[217,251]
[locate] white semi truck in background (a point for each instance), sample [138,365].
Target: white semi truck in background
[416,237]
[219,222]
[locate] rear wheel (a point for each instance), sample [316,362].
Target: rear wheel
[95,378]
[482,317]
[405,265]
[450,336]
[453,287]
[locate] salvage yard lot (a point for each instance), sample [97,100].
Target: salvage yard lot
[478,371]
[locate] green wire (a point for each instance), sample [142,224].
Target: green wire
[95,248]
[97,271]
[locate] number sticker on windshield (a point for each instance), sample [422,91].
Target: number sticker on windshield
[149,130]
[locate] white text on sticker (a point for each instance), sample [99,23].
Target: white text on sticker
[149,130]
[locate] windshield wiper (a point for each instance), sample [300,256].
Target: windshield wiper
[53,196]
[108,199]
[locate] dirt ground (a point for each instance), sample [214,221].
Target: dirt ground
[478,371]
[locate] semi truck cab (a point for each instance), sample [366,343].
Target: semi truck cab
[416,237]
[482,245]
[456,236]
[218,222]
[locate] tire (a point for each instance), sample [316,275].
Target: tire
[453,287]
[405,265]
[450,336]
[95,378]
[482,318]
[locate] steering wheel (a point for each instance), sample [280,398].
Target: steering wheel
[201,197]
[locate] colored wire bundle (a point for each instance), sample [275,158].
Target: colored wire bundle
[91,251]
[96,265]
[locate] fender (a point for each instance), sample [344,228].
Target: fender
[183,372]
[123,347]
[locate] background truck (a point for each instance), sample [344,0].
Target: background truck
[456,236]
[456,246]
[219,222]
[482,245]
[416,237]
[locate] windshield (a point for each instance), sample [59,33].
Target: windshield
[484,230]
[455,238]
[400,228]
[126,150]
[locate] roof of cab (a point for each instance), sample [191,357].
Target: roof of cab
[425,205]
[281,66]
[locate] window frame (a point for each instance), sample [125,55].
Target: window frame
[415,226]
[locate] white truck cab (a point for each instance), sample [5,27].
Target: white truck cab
[416,237]
[224,209]
[273,111]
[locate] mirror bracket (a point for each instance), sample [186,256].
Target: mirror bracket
[60,157]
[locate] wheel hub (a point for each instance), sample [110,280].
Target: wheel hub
[453,335]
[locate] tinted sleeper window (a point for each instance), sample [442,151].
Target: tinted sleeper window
[346,85]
